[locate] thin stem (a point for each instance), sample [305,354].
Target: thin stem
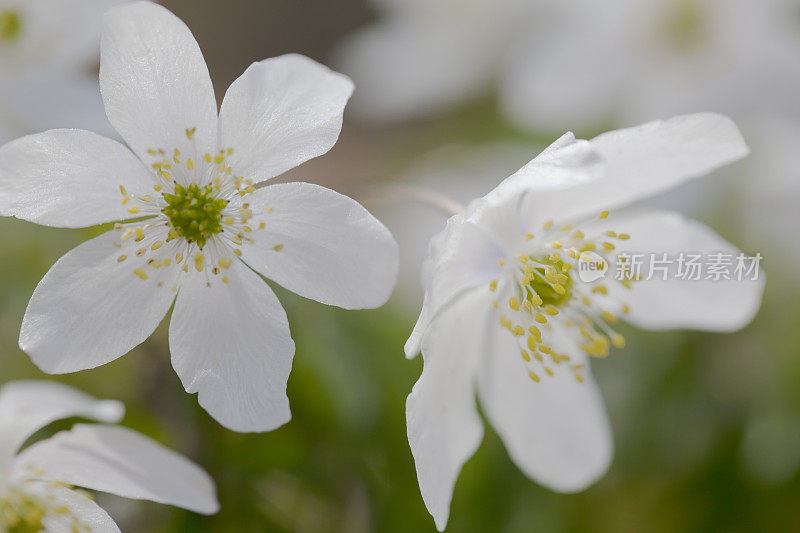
[389,194]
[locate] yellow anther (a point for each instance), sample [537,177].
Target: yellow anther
[611,319]
[603,214]
[513,303]
[493,285]
[550,310]
[519,331]
[523,258]
[618,340]
[156,245]
[495,304]
[540,318]
[261,225]
[278,247]
[579,378]
[178,257]
[501,261]
[141,273]
[139,234]
[190,133]
[549,372]
[525,355]
[547,225]
[533,376]
[626,308]
[122,258]
[578,235]
[224,279]
[608,245]
[134,209]
[237,252]
[207,158]
[611,234]
[190,164]
[533,343]
[600,289]
[535,333]
[559,289]
[556,244]
[199,262]
[529,236]
[225,262]
[623,236]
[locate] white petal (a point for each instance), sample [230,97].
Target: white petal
[27,406]
[120,461]
[724,305]
[82,514]
[91,308]
[155,82]
[648,159]
[333,250]
[69,178]
[282,112]
[540,191]
[556,430]
[231,343]
[461,257]
[48,100]
[444,428]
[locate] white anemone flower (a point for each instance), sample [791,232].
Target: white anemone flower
[47,51]
[506,314]
[642,58]
[204,233]
[37,484]
[427,56]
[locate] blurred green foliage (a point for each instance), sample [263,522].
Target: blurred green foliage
[697,445]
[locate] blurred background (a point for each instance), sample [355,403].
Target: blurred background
[455,95]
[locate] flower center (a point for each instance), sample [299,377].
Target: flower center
[20,514]
[686,26]
[545,277]
[10,27]
[194,212]
[547,296]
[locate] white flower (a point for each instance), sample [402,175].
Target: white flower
[426,56]
[506,314]
[645,58]
[769,199]
[36,484]
[193,176]
[47,49]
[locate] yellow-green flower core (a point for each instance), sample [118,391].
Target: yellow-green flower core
[549,282]
[10,26]
[20,514]
[194,212]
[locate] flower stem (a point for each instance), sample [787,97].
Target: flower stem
[389,194]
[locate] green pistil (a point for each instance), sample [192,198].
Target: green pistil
[544,289]
[194,213]
[10,26]
[20,514]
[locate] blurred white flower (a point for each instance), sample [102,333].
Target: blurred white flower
[507,314]
[37,484]
[637,59]
[426,56]
[47,51]
[208,233]
[769,195]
